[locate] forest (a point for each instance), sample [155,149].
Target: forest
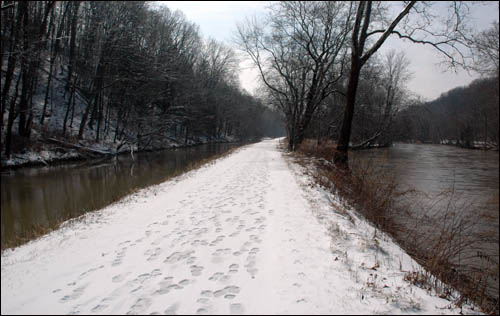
[464,116]
[135,75]
[112,75]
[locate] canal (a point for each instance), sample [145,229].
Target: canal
[35,200]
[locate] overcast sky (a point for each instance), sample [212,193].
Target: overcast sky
[218,19]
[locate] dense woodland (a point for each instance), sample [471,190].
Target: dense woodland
[464,116]
[119,73]
[135,73]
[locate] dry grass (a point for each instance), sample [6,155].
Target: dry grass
[439,233]
[29,234]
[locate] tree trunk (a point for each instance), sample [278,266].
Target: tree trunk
[85,116]
[304,123]
[72,41]
[22,7]
[340,156]
[95,97]
[291,137]
[10,121]
[186,136]
[49,81]
[23,103]
[106,119]
[310,108]
[31,64]
[100,108]
[53,56]
[71,100]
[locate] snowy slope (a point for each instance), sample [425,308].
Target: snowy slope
[44,152]
[246,235]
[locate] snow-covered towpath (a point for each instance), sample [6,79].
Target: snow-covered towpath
[245,235]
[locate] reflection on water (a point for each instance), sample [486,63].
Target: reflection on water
[452,178]
[34,197]
[433,168]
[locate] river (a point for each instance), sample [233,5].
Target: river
[469,177]
[39,198]
[461,183]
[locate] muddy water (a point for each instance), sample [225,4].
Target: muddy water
[42,197]
[449,180]
[468,177]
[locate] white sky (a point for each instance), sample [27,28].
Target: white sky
[218,19]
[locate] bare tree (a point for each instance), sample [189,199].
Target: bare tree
[418,23]
[386,94]
[134,68]
[486,51]
[300,52]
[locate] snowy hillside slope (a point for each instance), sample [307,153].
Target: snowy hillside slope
[43,151]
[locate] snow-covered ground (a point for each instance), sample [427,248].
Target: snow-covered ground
[248,234]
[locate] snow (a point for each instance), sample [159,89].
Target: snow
[249,234]
[44,153]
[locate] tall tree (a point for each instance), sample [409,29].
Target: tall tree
[415,23]
[300,53]
[486,51]
[383,94]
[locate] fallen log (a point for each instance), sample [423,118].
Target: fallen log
[79,147]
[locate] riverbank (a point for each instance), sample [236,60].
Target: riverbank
[475,145]
[249,234]
[36,200]
[54,151]
[437,202]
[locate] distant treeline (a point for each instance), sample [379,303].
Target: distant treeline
[321,65]
[130,71]
[465,116]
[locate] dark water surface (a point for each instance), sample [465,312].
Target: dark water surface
[449,180]
[433,168]
[34,197]
[468,177]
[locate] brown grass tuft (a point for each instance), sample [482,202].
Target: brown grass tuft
[436,232]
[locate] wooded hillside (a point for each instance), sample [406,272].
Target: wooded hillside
[114,73]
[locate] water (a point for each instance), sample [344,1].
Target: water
[433,168]
[448,179]
[468,177]
[43,197]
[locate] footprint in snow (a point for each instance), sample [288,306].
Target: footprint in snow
[234,266]
[219,293]
[184,282]
[98,308]
[216,276]
[140,306]
[233,289]
[236,309]
[203,300]
[207,293]
[201,311]
[76,293]
[119,277]
[196,270]
[172,309]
